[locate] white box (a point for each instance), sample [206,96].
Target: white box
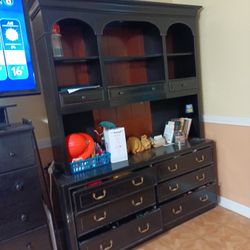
[115,143]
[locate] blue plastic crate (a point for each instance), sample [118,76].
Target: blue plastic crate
[90,163]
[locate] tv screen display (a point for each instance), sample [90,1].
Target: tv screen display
[16,70]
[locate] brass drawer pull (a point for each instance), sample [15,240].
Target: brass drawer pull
[139,182]
[143,230]
[107,247]
[200,177]
[103,195]
[200,160]
[100,218]
[204,198]
[173,188]
[177,211]
[138,203]
[12,154]
[173,168]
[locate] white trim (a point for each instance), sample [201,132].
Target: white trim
[44,143]
[228,120]
[234,206]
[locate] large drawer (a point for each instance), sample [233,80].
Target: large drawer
[168,169]
[177,211]
[17,150]
[97,217]
[83,199]
[18,186]
[37,239]
[183,184]
[19,217]
[126,235]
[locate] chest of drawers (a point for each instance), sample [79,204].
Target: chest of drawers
[22,218]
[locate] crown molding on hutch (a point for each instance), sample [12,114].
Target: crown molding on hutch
[227,120]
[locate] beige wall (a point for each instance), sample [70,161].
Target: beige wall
[224,27]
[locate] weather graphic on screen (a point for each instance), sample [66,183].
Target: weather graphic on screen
[16,71]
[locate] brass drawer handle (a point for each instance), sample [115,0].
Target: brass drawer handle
[204,198]
[19,186]
[121,93]
[200,177]
[177,211]
[138,203]
[98,219]
[107,247]
[201,159]
[173,168]
[139,182]
[143,230]
[12,154]
[103,195]
[173,188]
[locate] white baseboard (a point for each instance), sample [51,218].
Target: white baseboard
[227,120]
[234,206]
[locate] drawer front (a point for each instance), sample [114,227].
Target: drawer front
[126,235]
[115,210]
[183,184]
[82,97]
[183,164]
[84,199]
[182,84]
[179,209]
[37,239]
[18,186]
[21,216]
[16,151]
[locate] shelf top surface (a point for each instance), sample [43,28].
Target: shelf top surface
[135,162]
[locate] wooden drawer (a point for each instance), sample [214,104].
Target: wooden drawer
[182,84]
[115,210]
[17,150]
[19,216]
[171,168]
[126,235]
[84,199]
[82,97]
[37,239]
[183,184]
[177,211]
[18,186]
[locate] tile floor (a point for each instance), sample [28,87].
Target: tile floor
[217,229]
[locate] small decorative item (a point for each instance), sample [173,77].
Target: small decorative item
[136,145]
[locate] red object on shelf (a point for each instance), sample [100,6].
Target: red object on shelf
[56,29]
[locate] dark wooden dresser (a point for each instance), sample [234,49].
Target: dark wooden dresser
[22,217]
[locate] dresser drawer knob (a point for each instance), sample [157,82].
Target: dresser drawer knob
[200,177]
[121,92]
[199,160]
[12,154]
[173,188]
[204,198]
[177,211]
[138,183]
[24,217]
[19,186]
[102,196]
[153,88]
[83,97]
[144,230]
[107,247]
[98,219]
[173,168]
[137,203]
[29,246]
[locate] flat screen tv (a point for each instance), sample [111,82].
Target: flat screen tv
[16,68]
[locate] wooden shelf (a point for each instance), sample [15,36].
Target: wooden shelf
[180,54]
[72,60]
[131,58]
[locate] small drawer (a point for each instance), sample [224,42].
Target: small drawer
[174,167]
[176,211]
[98,217]
[17,186]
[126,235]
[37,239]
[17,150]
[79,97]
[84,199]
[183,184]
[182,84]
[19,217]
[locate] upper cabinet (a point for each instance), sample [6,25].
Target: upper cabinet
[180,52]
[133,61]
